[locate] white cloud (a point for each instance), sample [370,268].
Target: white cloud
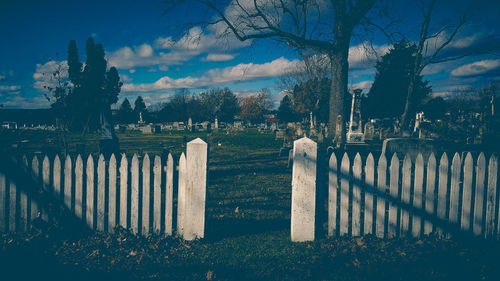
[9,88]
[440,67]
[476,68]
[19,101]
[125,78]
[167,51]
[363,56]
[238,73]
[363,85]
[144,50]
[44,74]
[219,57]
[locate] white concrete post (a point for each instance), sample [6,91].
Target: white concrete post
[303,190]
[196,185]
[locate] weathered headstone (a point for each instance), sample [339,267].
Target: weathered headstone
[280,134]
[338,130]
[298,130]
[145,129]
[369,131]
[303,190]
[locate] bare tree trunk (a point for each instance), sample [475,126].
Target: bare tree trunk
[409,106]
[338,90]
[417,69]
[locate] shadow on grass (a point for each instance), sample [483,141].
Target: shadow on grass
[274,170]
[218,229]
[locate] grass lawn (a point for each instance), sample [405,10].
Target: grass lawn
[247,229]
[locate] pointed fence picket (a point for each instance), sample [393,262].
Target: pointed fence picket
[78,206]
[169,194]
[23,211]
[104,193]
[24,196]
[101,192]
[369,194]
[442,191]
[13,191]
[405,196]
[134,196]
[157,195]
[57,177]
[477,226]
[112,194]
[467,193]
[333,186]
[417,196]
[34,210]
[454,189]
[356,196]
[46,183]
[491,197]
[430,188]
[89,203]
[146,180]
[344,195]
[392,224]
[181,197]
[124,192]
[381,196]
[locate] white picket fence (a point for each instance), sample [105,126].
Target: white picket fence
[416,198]
[105,194]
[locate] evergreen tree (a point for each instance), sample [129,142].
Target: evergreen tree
[139,107]
[285,110]
[387,96]
[74,65]
[93,89]
[125,113]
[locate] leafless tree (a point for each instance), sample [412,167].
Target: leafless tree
[323,26]
[313,66]
[431,49]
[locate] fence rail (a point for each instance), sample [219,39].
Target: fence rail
[412,197]
[136,194]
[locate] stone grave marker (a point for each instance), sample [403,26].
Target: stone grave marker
[369,131]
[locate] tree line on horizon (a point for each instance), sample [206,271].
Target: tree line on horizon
[218,103]
[91,88]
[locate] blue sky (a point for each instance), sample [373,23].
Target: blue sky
[154,57]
